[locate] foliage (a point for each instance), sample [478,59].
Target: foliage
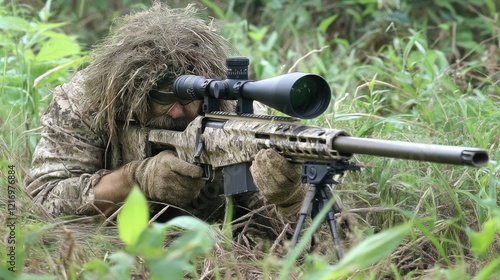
[370,250]
[142,242]
[146,243]
[35,56]
[420,71]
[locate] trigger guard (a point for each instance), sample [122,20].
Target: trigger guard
[208,173]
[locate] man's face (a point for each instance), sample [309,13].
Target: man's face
[174,116]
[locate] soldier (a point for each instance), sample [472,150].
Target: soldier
[78,166]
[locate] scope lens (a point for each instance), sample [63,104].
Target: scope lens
[304,95]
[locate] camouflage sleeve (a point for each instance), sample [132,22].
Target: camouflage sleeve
[68,160]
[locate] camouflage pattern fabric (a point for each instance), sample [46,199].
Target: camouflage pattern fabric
[72,156]
[68,160]
[83,137]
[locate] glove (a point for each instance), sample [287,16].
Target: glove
[167,178]
[278,181]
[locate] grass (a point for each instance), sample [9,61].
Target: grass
[399,71]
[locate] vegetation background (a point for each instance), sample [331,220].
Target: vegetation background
[418,71]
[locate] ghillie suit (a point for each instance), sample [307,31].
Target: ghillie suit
[148,50]
[83,127]
[80,142]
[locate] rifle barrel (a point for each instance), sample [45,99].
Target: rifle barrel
[411,151]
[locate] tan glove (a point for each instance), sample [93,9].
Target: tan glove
[278,181]
[167,178]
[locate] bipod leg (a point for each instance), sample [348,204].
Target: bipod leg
[330,217]
[304,211]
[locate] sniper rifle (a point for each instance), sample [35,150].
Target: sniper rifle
[229,141]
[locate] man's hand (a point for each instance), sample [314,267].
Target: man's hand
[166,178]
[278,181]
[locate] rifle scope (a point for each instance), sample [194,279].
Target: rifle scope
[300,95]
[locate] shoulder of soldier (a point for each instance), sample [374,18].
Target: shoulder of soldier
[73,90]
[70,99]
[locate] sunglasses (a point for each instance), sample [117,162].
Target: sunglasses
[166,98]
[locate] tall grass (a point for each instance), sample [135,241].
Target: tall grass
[35,56]
[417,71]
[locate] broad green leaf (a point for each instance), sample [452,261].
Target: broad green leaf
[47,26]
[190,245]
[188,222]
[366,253]
[54,74]
[176,260]
[257,34]
[14,23]
[5,273]
[197,241]
[58,47]
[133,217]
[95,268]
[491,269]
[481,241]
[150,242]
[122,264]
[167,269]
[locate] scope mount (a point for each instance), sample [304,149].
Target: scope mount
[237,69]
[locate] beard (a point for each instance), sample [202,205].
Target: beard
[160,118]
[167,122]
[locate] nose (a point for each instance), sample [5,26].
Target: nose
[176,111]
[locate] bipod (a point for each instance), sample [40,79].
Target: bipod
[318,176]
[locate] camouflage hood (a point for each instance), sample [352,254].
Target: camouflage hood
[149,49]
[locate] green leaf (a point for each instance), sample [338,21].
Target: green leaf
[190,245]
[215,8]
[58,47]
[14,23]
[325,23]
[95,269]
[150,242]
[46,26]
[188,222]
[133,217]
[491,7]
[257,34]
[5,273]
[491,269]
[481,241]
[366,253]
[196,242]
[407,50]
[122,264]
[175,268]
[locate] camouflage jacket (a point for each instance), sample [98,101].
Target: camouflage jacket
[72,156]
